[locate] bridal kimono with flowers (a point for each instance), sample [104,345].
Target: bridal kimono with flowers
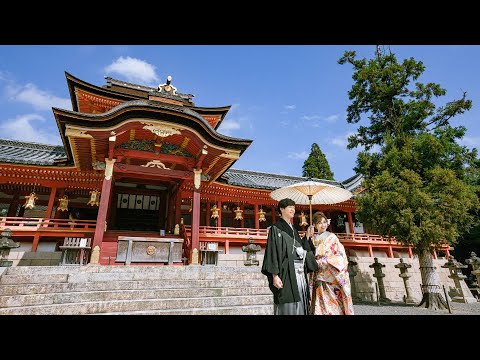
[330,285]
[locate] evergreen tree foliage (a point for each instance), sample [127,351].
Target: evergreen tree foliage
[316,165]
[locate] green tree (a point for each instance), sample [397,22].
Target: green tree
[316,165]
[413,166]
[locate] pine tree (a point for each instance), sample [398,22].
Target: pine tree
[416,179]
[316,165]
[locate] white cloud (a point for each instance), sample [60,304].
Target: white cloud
[470,141]
[228,126]
[290,107]
[28,127]
[332,118]
[341,141]
[312,117]
[298,156]
[134,70]
[39,99]
[284,122]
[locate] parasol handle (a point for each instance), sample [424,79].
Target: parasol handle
[310,201]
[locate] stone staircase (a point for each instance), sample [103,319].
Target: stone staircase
[165,290]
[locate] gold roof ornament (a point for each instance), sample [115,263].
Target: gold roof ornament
[214,211]
[261,215]
[63,206]
[30,200]
[238,213]
[303,219]
[94,198]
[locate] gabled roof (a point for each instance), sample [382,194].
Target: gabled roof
[19,152]
[269,181]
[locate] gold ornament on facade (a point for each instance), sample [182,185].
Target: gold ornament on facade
[238,213]
[161,130]
[303,219]
[63,206]
[94,198]
[214,211]
[261,215]
[151,250]
[155,163]
[30,200]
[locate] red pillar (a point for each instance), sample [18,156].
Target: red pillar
[36,239]
[390,252]
[242,222]
[196,219]
[207,220]
[219,219]
[435,254]
[51,201]
[350,223]
[447,253]
[102,212]
[410,254]
[370,251]
[255,213]
[178,206]
[227,246]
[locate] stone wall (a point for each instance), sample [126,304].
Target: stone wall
[39,258]
[364,280]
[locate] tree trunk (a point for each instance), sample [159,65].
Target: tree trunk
[432,297]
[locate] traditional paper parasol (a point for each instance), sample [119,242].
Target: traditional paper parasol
[312,192]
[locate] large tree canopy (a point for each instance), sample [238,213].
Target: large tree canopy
[415,171]
[316,165]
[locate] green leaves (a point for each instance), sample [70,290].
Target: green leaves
[420,182]
[316,165]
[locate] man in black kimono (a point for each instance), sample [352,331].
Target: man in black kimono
[287,260]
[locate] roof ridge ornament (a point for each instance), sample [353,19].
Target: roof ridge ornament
[167,87]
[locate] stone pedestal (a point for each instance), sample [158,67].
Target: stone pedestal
[460,293]
[5,245]
[251,249]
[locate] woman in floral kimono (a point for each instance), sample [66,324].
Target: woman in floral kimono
[330,285]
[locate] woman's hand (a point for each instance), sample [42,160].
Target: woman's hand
[310,232]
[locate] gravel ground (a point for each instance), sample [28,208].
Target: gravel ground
[401,309]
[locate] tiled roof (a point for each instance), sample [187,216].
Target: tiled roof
[268,181]
[19,152]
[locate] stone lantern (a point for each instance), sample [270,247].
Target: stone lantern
[251,249]
[405,275]
[475,262]
[377,267]
[460,293]
[5,245]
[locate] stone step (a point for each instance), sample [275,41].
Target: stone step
[33,279]
[73,269]
[42,288]
[138,305]
[225,310]
[94,296]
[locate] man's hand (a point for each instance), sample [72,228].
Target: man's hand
[310,232]
[277,282]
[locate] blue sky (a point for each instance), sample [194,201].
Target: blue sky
[283,97]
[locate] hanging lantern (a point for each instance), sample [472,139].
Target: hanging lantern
[214,211]
[261,215]
[63,206]
[238,213]
[94,198]
[30,200]
[340,221]
[303,219]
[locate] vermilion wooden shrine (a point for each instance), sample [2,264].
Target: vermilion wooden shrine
[138,160]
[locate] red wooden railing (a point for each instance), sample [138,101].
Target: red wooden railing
[32,224]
